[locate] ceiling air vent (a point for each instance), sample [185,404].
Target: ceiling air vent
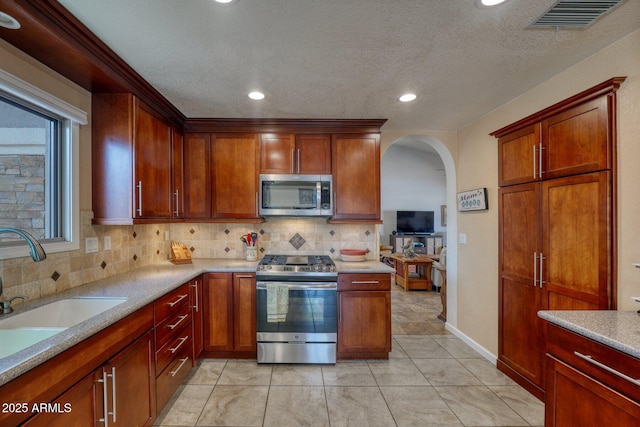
[574,14]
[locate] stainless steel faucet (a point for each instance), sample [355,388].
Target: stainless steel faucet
[37,254]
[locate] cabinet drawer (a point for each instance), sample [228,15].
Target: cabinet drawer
[172,323]
[165,305]
[364,282]
[171,378]
[181,339]
[603,363]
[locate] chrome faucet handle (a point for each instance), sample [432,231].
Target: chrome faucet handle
[6,304]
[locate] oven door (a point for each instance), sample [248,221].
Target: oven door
[307,312]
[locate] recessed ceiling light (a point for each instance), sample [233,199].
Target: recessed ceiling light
[256,95]
[8,21]
[223,1]
[407,97]
[489,3]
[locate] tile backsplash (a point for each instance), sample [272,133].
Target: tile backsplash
[137,246]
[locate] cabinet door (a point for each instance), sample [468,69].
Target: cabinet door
[197,175]
[218,311]
[244,308]
[277,153]
[363,322]
[152,145]
[520,339]
[576,399]
[577,140]
[235,175]
[356,177]
[131,374]
[313,154]
[197,316]
[577,225]
[77,407]
[519,157]
[177,160]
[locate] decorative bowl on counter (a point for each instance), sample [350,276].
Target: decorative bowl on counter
[353,255]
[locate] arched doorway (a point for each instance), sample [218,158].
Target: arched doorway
[443,152]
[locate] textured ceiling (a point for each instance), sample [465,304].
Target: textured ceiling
[344,59]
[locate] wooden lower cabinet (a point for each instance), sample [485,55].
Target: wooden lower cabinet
[229,315]
[129,373]
[583,393]
[364,316]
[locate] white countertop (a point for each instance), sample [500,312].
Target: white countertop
[616,329]
[140,287]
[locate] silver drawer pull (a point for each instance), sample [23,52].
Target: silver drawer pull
[176,348]
[180,298]
[172,327]
[607,368]
[365,282]
[182,362]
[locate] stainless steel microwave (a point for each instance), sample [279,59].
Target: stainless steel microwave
[296,195]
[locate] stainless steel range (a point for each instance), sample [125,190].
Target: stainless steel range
[297,320]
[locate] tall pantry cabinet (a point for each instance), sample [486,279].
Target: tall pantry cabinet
[556,223]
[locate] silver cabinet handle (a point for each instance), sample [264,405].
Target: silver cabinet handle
[364,282]
[177,347]
[177,194]
[535,269]
[540,171]
[195,287]
[542,258]
[293,161]
[298,161]
[172,327]
[139,198]
[182,362]
[534,162]
[105,402]
[607,368]
[113,392]
[171,304]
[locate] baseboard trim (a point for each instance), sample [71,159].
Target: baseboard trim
[477,347]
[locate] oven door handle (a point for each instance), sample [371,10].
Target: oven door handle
[304,286]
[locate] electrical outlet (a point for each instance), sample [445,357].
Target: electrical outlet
[462,239]
[106,243]
[90,245]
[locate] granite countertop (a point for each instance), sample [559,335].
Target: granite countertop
[616,329]
[140,287]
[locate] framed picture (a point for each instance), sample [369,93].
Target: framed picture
[443,215]
[473,200]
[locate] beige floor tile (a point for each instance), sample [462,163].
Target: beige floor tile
[245,372]
[458,349]
[357,406]
[440,372]
[422,347]
[208,371]
[187,407]
[397,372]
[296,406]
[479,406]
[523,402]
[486,372]
[231,405]
[348,374]
[419,407]
[296,375]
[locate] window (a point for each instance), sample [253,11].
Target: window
[38,167]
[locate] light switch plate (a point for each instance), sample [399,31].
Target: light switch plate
[106,243]
[90,245]
[462,239]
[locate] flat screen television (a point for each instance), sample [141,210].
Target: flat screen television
[414,222]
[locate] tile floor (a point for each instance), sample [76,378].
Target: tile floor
[431,379]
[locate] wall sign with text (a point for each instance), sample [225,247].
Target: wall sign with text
[473,200]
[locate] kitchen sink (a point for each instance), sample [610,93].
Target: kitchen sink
[32,326]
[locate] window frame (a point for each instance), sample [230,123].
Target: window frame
[69,144]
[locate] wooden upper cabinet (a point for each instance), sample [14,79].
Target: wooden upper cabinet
[153,166]
[518,156]
[356,177]
[308,154]
[132,167]
[577,140]
[235,175]
[197,176]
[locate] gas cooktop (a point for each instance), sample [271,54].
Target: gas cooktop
[297,264]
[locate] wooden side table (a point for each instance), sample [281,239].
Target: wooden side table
[421,279]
